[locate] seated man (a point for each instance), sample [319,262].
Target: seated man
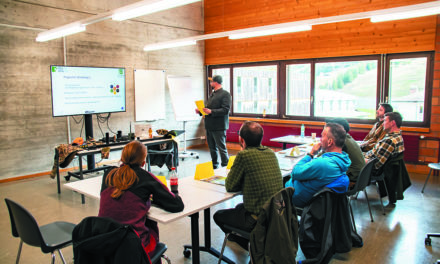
[352,149]
[256,174]
[377,132]
[311,174]
[391,144]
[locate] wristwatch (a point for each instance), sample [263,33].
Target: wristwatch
[310,154]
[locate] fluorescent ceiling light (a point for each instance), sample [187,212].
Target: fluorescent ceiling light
[147,7]
[407,14]
[61,32]
[272,31]
[167,45]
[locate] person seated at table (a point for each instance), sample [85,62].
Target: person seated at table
[390,145]
[257,175]
[312,174]
[377,132]
[352,149]
[128,191]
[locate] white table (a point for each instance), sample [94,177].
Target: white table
[296,140]
[196,195]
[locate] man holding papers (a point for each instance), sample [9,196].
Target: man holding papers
[216,115]
[257,175]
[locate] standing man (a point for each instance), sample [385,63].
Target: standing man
[377,132]
[217,121]
[255,173]
[310,174]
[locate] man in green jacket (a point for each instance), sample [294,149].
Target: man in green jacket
[256,174]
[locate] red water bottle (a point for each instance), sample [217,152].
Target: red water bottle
[174,181]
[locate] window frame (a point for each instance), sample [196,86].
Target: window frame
[382,89]
[428,84]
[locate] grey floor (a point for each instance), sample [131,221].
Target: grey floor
[397,237]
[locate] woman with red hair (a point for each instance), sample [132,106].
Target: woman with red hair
[126,194]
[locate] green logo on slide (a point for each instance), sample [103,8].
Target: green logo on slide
[54,68]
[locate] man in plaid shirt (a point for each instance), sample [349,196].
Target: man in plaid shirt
[255,173]
[391,144]
[378,132]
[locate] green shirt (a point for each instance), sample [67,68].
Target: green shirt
[357,158]
[257,175]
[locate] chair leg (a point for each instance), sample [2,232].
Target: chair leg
[352,216]
[19,251]
[380,198]
[148,162]
[61,256]
[368,202]
[166,258]
[427,178]
[250,255]
[223,248]
[53,258]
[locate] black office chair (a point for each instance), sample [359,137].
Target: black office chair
[158,253]
[361,184]
[282,203]
[238,232]
[104,240]
[168,151]
[49,238]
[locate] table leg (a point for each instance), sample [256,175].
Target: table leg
[57,158]
[195,245]
[81,177]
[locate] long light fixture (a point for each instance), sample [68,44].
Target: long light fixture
[271,31]
[408,14]
[147,7]
[170,44]
[59,32]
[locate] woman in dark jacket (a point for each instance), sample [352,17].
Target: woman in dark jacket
[128,191]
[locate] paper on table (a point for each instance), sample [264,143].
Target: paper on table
[204,170]
[230,162]
[200,105]
[163,179]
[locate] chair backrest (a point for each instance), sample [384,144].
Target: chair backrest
[364,178]
[24,224]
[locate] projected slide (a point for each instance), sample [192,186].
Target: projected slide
[87,90]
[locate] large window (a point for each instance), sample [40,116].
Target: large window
[349,87]
[407,87]
[298,89]
[224,72]
[255,90]
[346,89]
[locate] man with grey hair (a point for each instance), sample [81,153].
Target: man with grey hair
[311,174]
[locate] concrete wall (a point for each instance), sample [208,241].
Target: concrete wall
[28,132]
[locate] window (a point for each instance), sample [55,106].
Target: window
[407,87]
[224,72]
[254,90]
[298,84]
[349,87]
[346,89]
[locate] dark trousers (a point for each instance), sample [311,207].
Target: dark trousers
[217,142]
[237,217]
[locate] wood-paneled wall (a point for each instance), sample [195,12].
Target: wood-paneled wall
[359,37]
